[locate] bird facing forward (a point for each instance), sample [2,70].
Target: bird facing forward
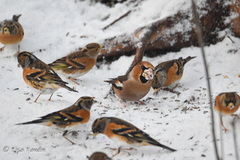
[39,76]
[134,85]
[168,73]
[77,63]
[227,103]
[11,32]
[67,119]
[123,133]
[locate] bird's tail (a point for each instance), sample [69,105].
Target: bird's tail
[156,143]
[68,88]
[166,147]
[32,122]
[188,59]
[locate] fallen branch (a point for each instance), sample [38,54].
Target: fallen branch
[175,32]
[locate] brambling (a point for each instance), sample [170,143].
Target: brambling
[11,32]
[39,76]
[134,85]
[99,156]
[227,103]
[123,133]
[77,63]
[168,73]
[69,118]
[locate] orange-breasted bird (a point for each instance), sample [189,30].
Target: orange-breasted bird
[123,133]
[134,85]
[11,32]
[168,73]
[99,156]
[227,103]
[39,76]
[67,119]
[77,63]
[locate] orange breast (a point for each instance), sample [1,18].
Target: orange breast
[224,110]
[133,90]
[6,38]
[171,76]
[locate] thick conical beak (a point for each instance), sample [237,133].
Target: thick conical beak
[94,100]
[156,90]
[95,134]
[231,105]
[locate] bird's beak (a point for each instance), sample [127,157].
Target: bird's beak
[94,100]
[95,134]
[231,105]
[156,90]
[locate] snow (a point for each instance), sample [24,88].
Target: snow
[53,29]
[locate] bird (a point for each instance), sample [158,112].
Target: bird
[99,156]
[134,85]
[168,73]
[227,103]
[39,76]
[123,133]
[77,63]
[69,118]
[11,32]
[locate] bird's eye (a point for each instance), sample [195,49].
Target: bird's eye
[6,29]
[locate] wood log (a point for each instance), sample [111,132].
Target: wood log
[175,32]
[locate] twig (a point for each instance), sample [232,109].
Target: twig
[230,39]
[235,138]
[200,42]
[117,20]
[138,58]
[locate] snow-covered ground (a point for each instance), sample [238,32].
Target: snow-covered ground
[53,29]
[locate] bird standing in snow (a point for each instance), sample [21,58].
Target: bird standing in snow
[227,103]
[123,133]
[39,76]
[67,119]
[168,73]
[77,63]
[134,85]
[11,32]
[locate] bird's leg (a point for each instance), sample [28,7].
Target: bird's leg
[2,48]
[225,129]
[123,104]
[17,51]
[73,80]
[65,133]
[142,103]
[171,90]
[37,97]
[118,151]
[50,97]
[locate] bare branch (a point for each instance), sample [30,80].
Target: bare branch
[117,19]
[235,138]
[200,41]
